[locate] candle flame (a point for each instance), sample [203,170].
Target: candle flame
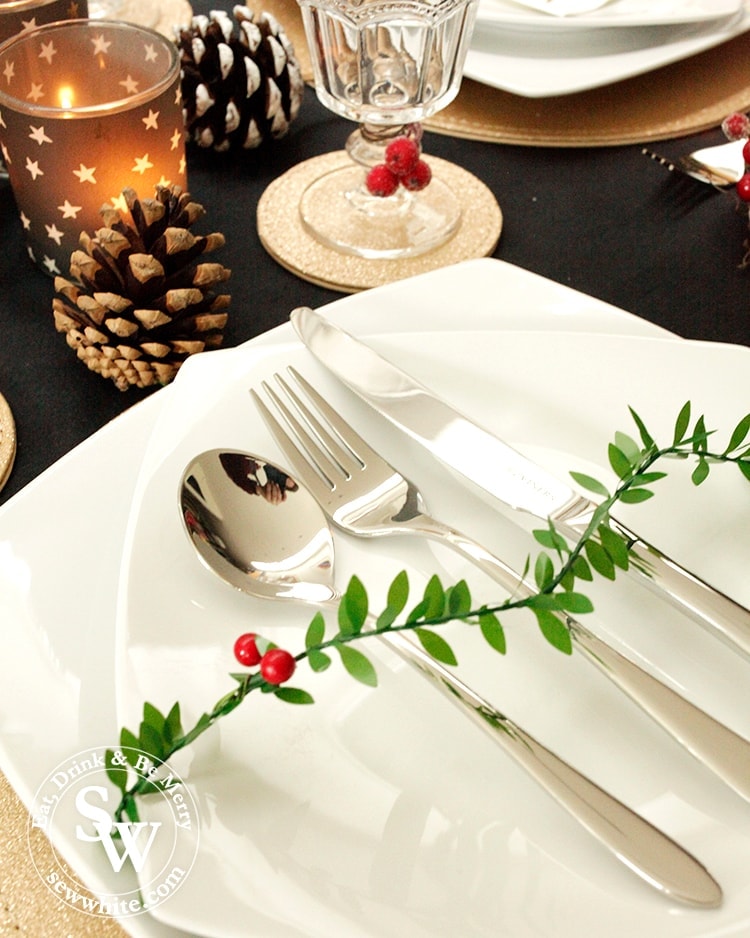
[65,96]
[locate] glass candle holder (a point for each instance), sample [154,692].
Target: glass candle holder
[87,109]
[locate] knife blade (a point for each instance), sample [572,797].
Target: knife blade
[503,472]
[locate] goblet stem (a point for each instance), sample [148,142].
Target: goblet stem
[340,211]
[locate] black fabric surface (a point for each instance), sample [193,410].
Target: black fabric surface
[606,221]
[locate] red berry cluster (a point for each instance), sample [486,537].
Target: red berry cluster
[735,127]
[402,166]
[276,664]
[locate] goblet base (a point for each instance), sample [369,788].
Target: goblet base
[339,212]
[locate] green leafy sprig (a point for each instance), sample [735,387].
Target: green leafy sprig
[549,592]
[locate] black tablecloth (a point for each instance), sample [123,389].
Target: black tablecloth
[606,221]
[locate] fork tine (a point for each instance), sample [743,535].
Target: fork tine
[318,483]
[327,436]
[347,435]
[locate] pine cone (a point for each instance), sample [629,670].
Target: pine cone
[143,300]
[238,90]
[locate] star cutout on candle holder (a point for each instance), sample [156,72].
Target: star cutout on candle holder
[6,155]
[130,85]
[68,210]
[101,45]
[28,25]
[36,92]
[48,51]
[85,174]
[38,134]
[9,71]
[54,233]
[152,121]
[25,221]
[142,163]
[33,167]
[73,11]
[151,54]
[49,263]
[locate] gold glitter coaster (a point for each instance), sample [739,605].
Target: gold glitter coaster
[282,235]
[7,441]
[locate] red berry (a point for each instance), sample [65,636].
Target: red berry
[381,181]
[743,188]
[401,155]
[736,126]
[277,665]
[418,178]
[746,153]
[246,651]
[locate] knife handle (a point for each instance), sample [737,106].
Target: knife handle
[723,616]
[634,841]
[721,749]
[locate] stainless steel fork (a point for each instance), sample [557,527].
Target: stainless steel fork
[365,496]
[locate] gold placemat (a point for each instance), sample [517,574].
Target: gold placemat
[282,235]
[673,101]
[7,441]
[27,907]
[162,16]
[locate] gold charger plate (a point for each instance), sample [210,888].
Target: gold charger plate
[282,234]
[7,441]
[674,101]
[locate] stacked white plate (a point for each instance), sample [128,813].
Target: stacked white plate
[520,48]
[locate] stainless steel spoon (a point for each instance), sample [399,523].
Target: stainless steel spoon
[262,532]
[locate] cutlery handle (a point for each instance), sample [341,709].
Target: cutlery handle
[725,617]
[643,848]
[725,752]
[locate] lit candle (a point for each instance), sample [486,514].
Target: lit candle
[87,109]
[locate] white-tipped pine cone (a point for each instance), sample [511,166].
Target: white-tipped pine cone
[143,299]
[239,87]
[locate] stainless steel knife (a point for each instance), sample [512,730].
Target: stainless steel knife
[502,471]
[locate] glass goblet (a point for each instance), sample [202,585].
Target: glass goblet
[388,65]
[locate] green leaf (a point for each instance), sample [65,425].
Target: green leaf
[635,496]
[629,447]
[173,724]
[153,717]
[744,467]
[739,434]
[459,599]
[318,660]
[554,630]
[492,630]
[590,484]
[353,608]
[619,461]
[700,436]
[418,612]
[434,597]
[294,695]
[575,603]
[646,478]
[150,741]
[646,438]
[117,774]
[599,559]
[616,546]
[568,579]
[128,740]
[551,539]
[358,665]
[544,571]
[681,424]
[436,646]
[700,473]
[582,569]
[398,592]
[316,631]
